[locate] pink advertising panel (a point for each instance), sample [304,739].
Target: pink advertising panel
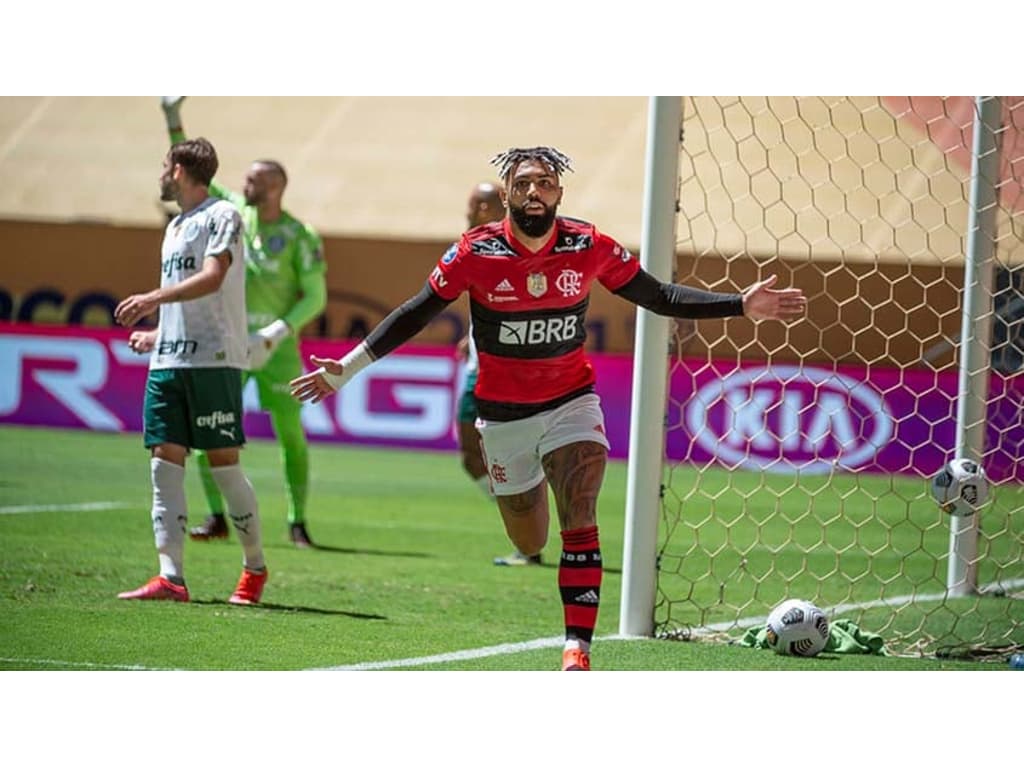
[778,418]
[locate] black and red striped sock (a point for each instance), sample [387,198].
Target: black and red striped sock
[579,581]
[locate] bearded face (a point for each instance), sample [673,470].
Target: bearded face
[533,198]
[263,184]
[168,186]
[534,217]
[255,189]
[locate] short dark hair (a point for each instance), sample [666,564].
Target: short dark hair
[276,167]
[508,160]
[197,157]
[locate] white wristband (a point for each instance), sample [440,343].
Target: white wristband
[351,364]
[276,332]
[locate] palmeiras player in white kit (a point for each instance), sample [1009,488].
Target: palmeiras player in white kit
[197,355]
[529,279]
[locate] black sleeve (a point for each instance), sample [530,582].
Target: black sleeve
[405,322]
[676,300]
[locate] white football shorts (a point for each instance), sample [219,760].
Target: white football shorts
[513,449]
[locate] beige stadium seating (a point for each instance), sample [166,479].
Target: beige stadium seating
[391,167]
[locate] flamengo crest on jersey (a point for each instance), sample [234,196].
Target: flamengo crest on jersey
[530,308]
[208,332]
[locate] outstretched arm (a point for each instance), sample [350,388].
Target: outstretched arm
[394,330]
[762,302]
[758,302]
[171,106]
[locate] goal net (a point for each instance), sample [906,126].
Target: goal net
[798,456]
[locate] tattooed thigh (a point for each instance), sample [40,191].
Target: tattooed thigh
[575,473]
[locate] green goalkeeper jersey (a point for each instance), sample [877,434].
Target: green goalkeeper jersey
[285,266]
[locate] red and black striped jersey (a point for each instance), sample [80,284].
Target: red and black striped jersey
[528,310]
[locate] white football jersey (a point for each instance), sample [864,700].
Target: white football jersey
[208,332]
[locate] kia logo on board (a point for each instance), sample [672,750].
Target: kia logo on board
[786,419]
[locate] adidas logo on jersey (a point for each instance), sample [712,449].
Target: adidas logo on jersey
[504,285]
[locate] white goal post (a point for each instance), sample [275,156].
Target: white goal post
[777,460]
[650,367]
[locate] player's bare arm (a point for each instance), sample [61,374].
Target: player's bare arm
[208,280]
[395,329]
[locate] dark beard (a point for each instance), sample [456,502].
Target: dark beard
[531,225]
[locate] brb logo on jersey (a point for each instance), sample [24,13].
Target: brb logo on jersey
[549,330]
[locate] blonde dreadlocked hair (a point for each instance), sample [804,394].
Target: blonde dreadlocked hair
[512,157]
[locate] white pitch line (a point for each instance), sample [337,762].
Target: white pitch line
[87,665]
[473,653]
[93,506]
[554,642]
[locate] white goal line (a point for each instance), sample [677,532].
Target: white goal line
[555,642]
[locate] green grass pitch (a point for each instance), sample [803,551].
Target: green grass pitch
[404,573]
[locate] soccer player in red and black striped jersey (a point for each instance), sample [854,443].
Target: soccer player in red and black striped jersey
[529,278]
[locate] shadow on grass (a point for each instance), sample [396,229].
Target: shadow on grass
[293,609]
[357,551]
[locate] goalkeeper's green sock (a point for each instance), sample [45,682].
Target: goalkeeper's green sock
[214,499]
[287,424]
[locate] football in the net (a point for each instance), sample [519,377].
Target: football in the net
[960,488]
[797,628]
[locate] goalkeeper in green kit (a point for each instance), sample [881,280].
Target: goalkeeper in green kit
[285,289]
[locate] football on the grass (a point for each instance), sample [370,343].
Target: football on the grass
[797,628]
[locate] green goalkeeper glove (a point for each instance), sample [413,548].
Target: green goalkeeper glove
[171,105]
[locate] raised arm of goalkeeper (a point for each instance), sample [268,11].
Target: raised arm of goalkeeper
[757,302]
[176,131]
